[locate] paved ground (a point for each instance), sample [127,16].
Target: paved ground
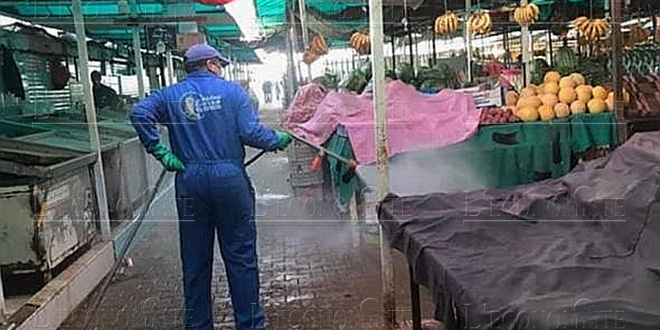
[314,274]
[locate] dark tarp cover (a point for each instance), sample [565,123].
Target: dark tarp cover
[579,252]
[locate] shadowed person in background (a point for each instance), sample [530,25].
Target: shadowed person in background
[104,96]
[210,120]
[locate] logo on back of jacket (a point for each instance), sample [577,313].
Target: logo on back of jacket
[195,106]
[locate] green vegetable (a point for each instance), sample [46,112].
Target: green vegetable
[406,73]
[566,62]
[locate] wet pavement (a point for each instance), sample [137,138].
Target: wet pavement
[316,272]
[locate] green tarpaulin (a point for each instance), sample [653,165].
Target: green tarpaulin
[501,156]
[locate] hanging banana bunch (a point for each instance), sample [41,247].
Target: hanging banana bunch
[310,56]
[480,23]
[446,24]
[592,29]
[637,35]
[318,45]
[361,43]
[526,15]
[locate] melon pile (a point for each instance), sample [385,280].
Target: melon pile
[559,97]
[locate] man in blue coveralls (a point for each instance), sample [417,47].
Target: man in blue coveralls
[209,121]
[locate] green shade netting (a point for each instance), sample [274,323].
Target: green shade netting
[60,11]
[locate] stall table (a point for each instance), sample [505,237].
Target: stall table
[548,255]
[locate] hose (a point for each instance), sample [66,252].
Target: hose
[103,287]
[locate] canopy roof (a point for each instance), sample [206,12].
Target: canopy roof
[337,20]
[105,20]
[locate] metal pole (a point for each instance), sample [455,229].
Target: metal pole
[552,54]
[290,62]
[617,70]
[393,53]
[2,303]
[435,54]
[170,67]
[90,112]
[303,26]
[380,112]
[468,39]
[525,44]
[655,28]
[410,46]
[137,49]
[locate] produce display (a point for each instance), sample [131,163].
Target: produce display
[310,57]
[480,23]
[644,95]
[361,43]
[592,28]
[316,49]
[526,15]
[637,35]
[319,45]
[640,61]
[503,115]
[446,24]
[559,97]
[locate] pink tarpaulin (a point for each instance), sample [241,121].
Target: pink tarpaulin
[416,121]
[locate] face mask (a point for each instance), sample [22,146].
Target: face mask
[216,68]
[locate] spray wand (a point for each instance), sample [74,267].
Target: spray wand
[322,152]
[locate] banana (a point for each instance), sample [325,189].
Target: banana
[354,37]
[535,10]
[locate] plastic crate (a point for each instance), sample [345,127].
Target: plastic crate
[300,160]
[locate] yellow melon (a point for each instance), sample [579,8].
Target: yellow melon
[567,82]
[527,91]
[578,78]
[528,113]
[567,95]
[553,76]
[551,88]
[610,104]
[600,92]
[584,94]
[578,107]
[511,98]
[587,87]
[550,100]
[562,110]
[596,105]
[546,112]
[532,101]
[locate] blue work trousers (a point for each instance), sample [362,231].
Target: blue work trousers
[217,198]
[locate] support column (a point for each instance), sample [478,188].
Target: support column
[170,67]
[393,53]
[90,112]
[137,50]
[378,70]
[410,45]
[526,44]
[435,54]
[468,39]
[3,309]
[302,8]
[552,56]
[617,69]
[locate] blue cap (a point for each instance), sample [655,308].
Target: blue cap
[202,52]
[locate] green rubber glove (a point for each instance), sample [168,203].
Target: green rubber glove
[283,140]
[167,158]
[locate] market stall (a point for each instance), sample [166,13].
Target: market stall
[571,253]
